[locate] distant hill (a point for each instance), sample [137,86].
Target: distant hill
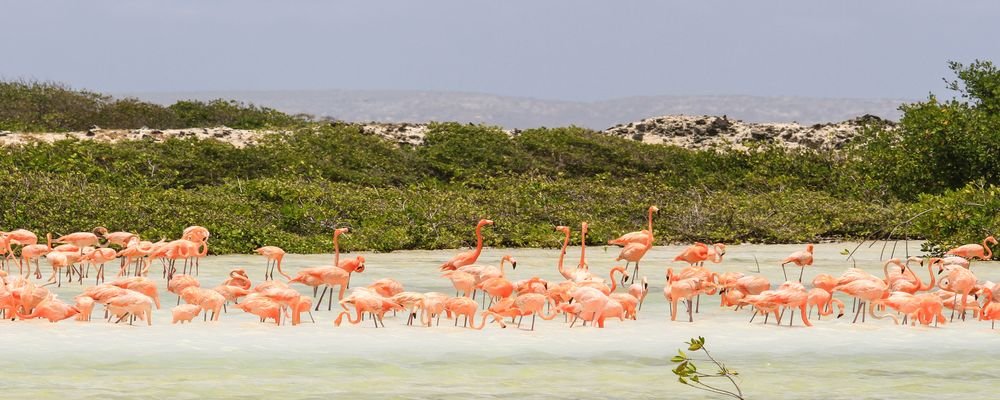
[521,112]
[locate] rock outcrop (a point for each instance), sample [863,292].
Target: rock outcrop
[708,132]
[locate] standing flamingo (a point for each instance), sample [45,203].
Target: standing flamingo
[635,244]
[562,254]
[34,252]
[693,254]
[800,258]
[972,251]
[273,254]
[468,257]
[199,235]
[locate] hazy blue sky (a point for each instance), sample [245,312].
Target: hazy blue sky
[573,50]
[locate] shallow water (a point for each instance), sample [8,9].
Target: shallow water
[239,357]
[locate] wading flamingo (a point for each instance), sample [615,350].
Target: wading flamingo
[801,259]
[974,251]
[635,245]
[273,254]
[468,257]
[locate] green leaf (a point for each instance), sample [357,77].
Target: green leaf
[677,359]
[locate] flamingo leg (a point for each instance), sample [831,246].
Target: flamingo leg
[320,302]
[784,272]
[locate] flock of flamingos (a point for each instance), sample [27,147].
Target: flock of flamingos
[582,295]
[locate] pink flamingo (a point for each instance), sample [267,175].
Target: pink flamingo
[273,254]
[468,257]
[562,254]
[801,259]
[261,306]
[184,313]
[34,252]
[198,235]
[694,254]
[98,258]
[974,251]
[635,245]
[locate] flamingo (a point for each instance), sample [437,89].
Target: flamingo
[184,313]
[589,302]
[639,291]
[330,276]
[198,235]
[693,254]
[562,254]
[974,251]
[960,281]
[121,238]
[261,306]
[98,258]
[635,245]
[179,282]
[990,310]
[801,259]
[51,309]
[34,252]
[134,303]
[867,291]
[273,254]
[468,257]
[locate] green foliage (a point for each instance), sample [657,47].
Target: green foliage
[957,217]
[455,151]
[940,145]
[231,113]
[689,374]
[52,107]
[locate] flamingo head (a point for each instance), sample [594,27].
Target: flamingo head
[583,228]
[510,258]
[563,229]
[100,231]
[991,239]
[341,231]
[809,247]
[653,209]
[361,264]
[484,222]
[720,248]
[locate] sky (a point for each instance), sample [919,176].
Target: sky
[561,49]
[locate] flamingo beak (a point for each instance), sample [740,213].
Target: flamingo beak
[513,264]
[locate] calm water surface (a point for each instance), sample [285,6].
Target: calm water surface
[239,357]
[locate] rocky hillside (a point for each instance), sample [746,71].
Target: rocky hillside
[694,132]
[707,132]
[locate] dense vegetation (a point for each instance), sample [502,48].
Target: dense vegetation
[290,190]
[51,107]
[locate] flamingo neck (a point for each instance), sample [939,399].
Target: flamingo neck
[482,323]
[650,222]
[479,243]
[583,250]
[553,312]
[336,251]
[988,251]
[562,255]
[614,283]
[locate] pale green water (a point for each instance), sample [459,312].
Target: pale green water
[238,357]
